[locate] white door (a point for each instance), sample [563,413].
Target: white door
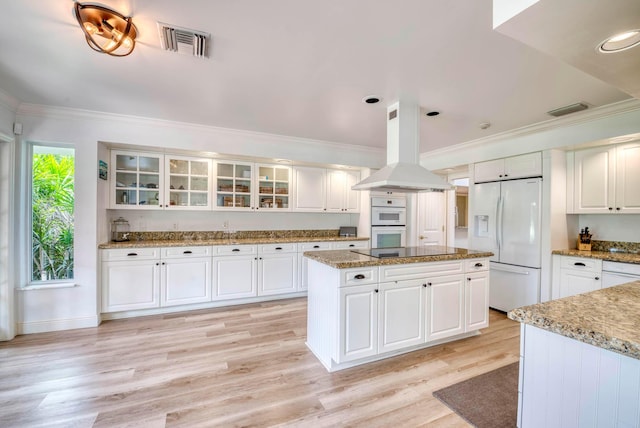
[519,219]
[352,197]
[358,322]
[309,189]
[336,185]
[483,221]
[129,285]
[445,306]
[277,274]
[628,178]
[185,281]
[594,180]
[432,218]
[401,314]
[235,277]
[477,300]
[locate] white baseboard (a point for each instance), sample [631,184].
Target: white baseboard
[57,325]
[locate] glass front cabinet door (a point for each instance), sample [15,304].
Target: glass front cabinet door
[274,186]
[234,186]
[187,184]
[137,180]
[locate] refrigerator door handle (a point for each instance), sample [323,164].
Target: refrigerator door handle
[499,223]
[510,269]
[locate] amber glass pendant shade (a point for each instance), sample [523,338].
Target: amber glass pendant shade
[106,30]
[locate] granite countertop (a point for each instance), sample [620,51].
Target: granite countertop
[602,255]
[608,318]
[345,259]
[224,241]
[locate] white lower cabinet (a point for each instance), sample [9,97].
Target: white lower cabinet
[575,275]
[476,301]
[130,284]
[445,306]
[277,269]
[235,272]
[401,315]
[358,322]
[144,278]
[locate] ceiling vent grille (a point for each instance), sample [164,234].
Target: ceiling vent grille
[568,109]
[184,40]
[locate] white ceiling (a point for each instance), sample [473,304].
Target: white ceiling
[298,67]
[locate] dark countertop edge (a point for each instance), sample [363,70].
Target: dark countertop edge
[216,242]
[601,255]
[391,261]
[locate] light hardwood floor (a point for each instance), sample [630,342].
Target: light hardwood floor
[240,366]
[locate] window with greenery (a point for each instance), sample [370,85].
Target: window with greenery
[52,198]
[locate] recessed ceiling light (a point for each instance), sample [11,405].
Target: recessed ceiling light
[371,99]
[432,113]
[620,42]
[484,125]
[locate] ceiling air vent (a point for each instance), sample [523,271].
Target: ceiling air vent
[568,109]
[184,40]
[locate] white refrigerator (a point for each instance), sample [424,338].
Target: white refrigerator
[506,221]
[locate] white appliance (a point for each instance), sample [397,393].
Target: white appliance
[388,222]
[388,236]
[506,221]
[614,273]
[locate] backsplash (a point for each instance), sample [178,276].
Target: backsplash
[611,227]
[243,234]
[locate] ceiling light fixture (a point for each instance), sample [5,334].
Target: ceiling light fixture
[371,99]
[432,113]
[106,30]
[620,42]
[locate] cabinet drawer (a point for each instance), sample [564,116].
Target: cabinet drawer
[231,250]
[345,245]
[359,276]
[182,252]
[131,254]
[277,248]
[581,263]
[313,246]
[476,265]
[420,270]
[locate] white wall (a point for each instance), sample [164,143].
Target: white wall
[610,227]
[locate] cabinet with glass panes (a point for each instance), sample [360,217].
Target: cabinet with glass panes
[187,183]
[137,180]
[274,186]
[233,185]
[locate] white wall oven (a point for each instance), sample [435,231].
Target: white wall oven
[388,222]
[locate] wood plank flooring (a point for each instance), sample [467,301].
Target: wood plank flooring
[240,366]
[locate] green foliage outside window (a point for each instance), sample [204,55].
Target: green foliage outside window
[52,216]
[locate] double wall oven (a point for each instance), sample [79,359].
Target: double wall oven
[388,222]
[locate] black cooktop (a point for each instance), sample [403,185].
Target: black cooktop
[435,250]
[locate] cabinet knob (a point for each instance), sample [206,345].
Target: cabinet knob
[424,285]
[478,265]
[500,175]
[376,290]
[158,264]
[506,175]
[429,284]
[316,246]
[468,279]
[610,209]
[597,278]
[579,264]
[617,208]
[359,276]
[163,263]
[352,245]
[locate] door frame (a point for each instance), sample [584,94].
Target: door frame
[7,244]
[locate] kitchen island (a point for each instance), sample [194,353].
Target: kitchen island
[364,306]
[580,360]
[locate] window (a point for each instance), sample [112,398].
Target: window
[52,201]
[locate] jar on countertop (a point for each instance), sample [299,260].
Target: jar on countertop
[120,230]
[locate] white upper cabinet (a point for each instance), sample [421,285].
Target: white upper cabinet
[188,183]
[529,165]
[310,188]
[604,180]
[326,190]
[137,180]
[243,186]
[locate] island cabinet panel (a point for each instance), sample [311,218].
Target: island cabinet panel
[567,383]
[476,300]
[445,307]
[401,315]
[420,270]
[358,322]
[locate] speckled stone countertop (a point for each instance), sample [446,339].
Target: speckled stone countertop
[602,255]
[608,318]
[190,239]
[345,259]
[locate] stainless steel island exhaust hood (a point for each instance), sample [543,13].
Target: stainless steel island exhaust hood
[403,172]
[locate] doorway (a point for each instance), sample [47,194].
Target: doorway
[432,210]
[7,321]
[461,213]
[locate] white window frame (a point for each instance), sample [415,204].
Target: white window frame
[27,179]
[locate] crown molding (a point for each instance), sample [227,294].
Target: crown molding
[608,110]
[9,101]
[65,113]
